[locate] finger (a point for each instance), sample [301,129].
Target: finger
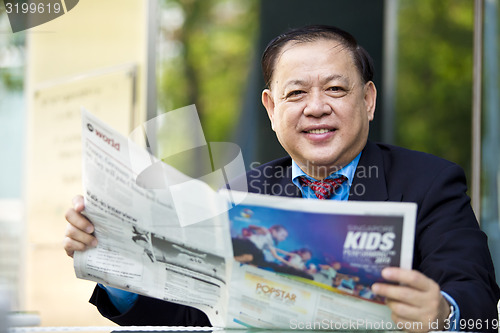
[404,311]
[407,277]
[70,246]
[78,203]
[80,236]
[79,221]
[69,253]
[398,293]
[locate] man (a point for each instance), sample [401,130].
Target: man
[320,99]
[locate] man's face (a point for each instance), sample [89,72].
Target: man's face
[318,105]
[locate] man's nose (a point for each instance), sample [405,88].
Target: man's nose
[317,105]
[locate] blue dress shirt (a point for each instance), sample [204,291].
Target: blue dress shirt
[122,300]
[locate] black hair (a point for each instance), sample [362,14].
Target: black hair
[311,33]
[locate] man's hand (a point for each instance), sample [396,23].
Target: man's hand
[416,300]
[78,236]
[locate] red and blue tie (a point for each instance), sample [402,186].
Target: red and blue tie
[323,189]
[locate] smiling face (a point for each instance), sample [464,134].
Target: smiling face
[319,106]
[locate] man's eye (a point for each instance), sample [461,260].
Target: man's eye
[295,93]
[335,89]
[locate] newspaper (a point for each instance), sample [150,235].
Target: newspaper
[246,260]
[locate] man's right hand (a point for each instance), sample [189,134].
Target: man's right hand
[78,236]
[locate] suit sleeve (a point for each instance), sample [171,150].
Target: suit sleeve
[149,312]
[452,250]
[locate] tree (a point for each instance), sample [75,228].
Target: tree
[434,93]
[205,59]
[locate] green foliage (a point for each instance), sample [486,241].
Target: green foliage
[206,59]
[435,63]
[12,49]
[11,80]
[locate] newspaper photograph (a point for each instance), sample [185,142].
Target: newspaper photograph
[246,260]
[344,252]
[315,262]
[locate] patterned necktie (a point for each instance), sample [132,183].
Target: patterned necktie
[323,189]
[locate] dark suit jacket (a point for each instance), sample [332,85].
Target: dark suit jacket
[449,246]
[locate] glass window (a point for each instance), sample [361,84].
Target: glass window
[434,78]
[12,141]
[490,173]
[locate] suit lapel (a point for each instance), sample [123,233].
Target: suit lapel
[289,189]
[369,182]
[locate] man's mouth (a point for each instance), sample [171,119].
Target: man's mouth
[319,131]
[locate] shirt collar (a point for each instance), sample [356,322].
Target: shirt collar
[347,171]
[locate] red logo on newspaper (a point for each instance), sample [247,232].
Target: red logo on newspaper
[104,137]
[275,294]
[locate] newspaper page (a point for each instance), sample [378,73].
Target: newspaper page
[247,260]
[144,245]
[310,264]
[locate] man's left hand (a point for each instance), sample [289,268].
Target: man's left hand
[416,301]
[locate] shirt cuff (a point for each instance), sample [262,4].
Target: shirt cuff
[121,299]
[453,324]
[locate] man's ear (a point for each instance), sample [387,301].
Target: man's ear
[370,99]
[268,102]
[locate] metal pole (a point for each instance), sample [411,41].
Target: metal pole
[152,32]
[389,69]
[476,107]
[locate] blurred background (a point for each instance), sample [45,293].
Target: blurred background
[127,61]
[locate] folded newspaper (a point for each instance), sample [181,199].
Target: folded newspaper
[246,260]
